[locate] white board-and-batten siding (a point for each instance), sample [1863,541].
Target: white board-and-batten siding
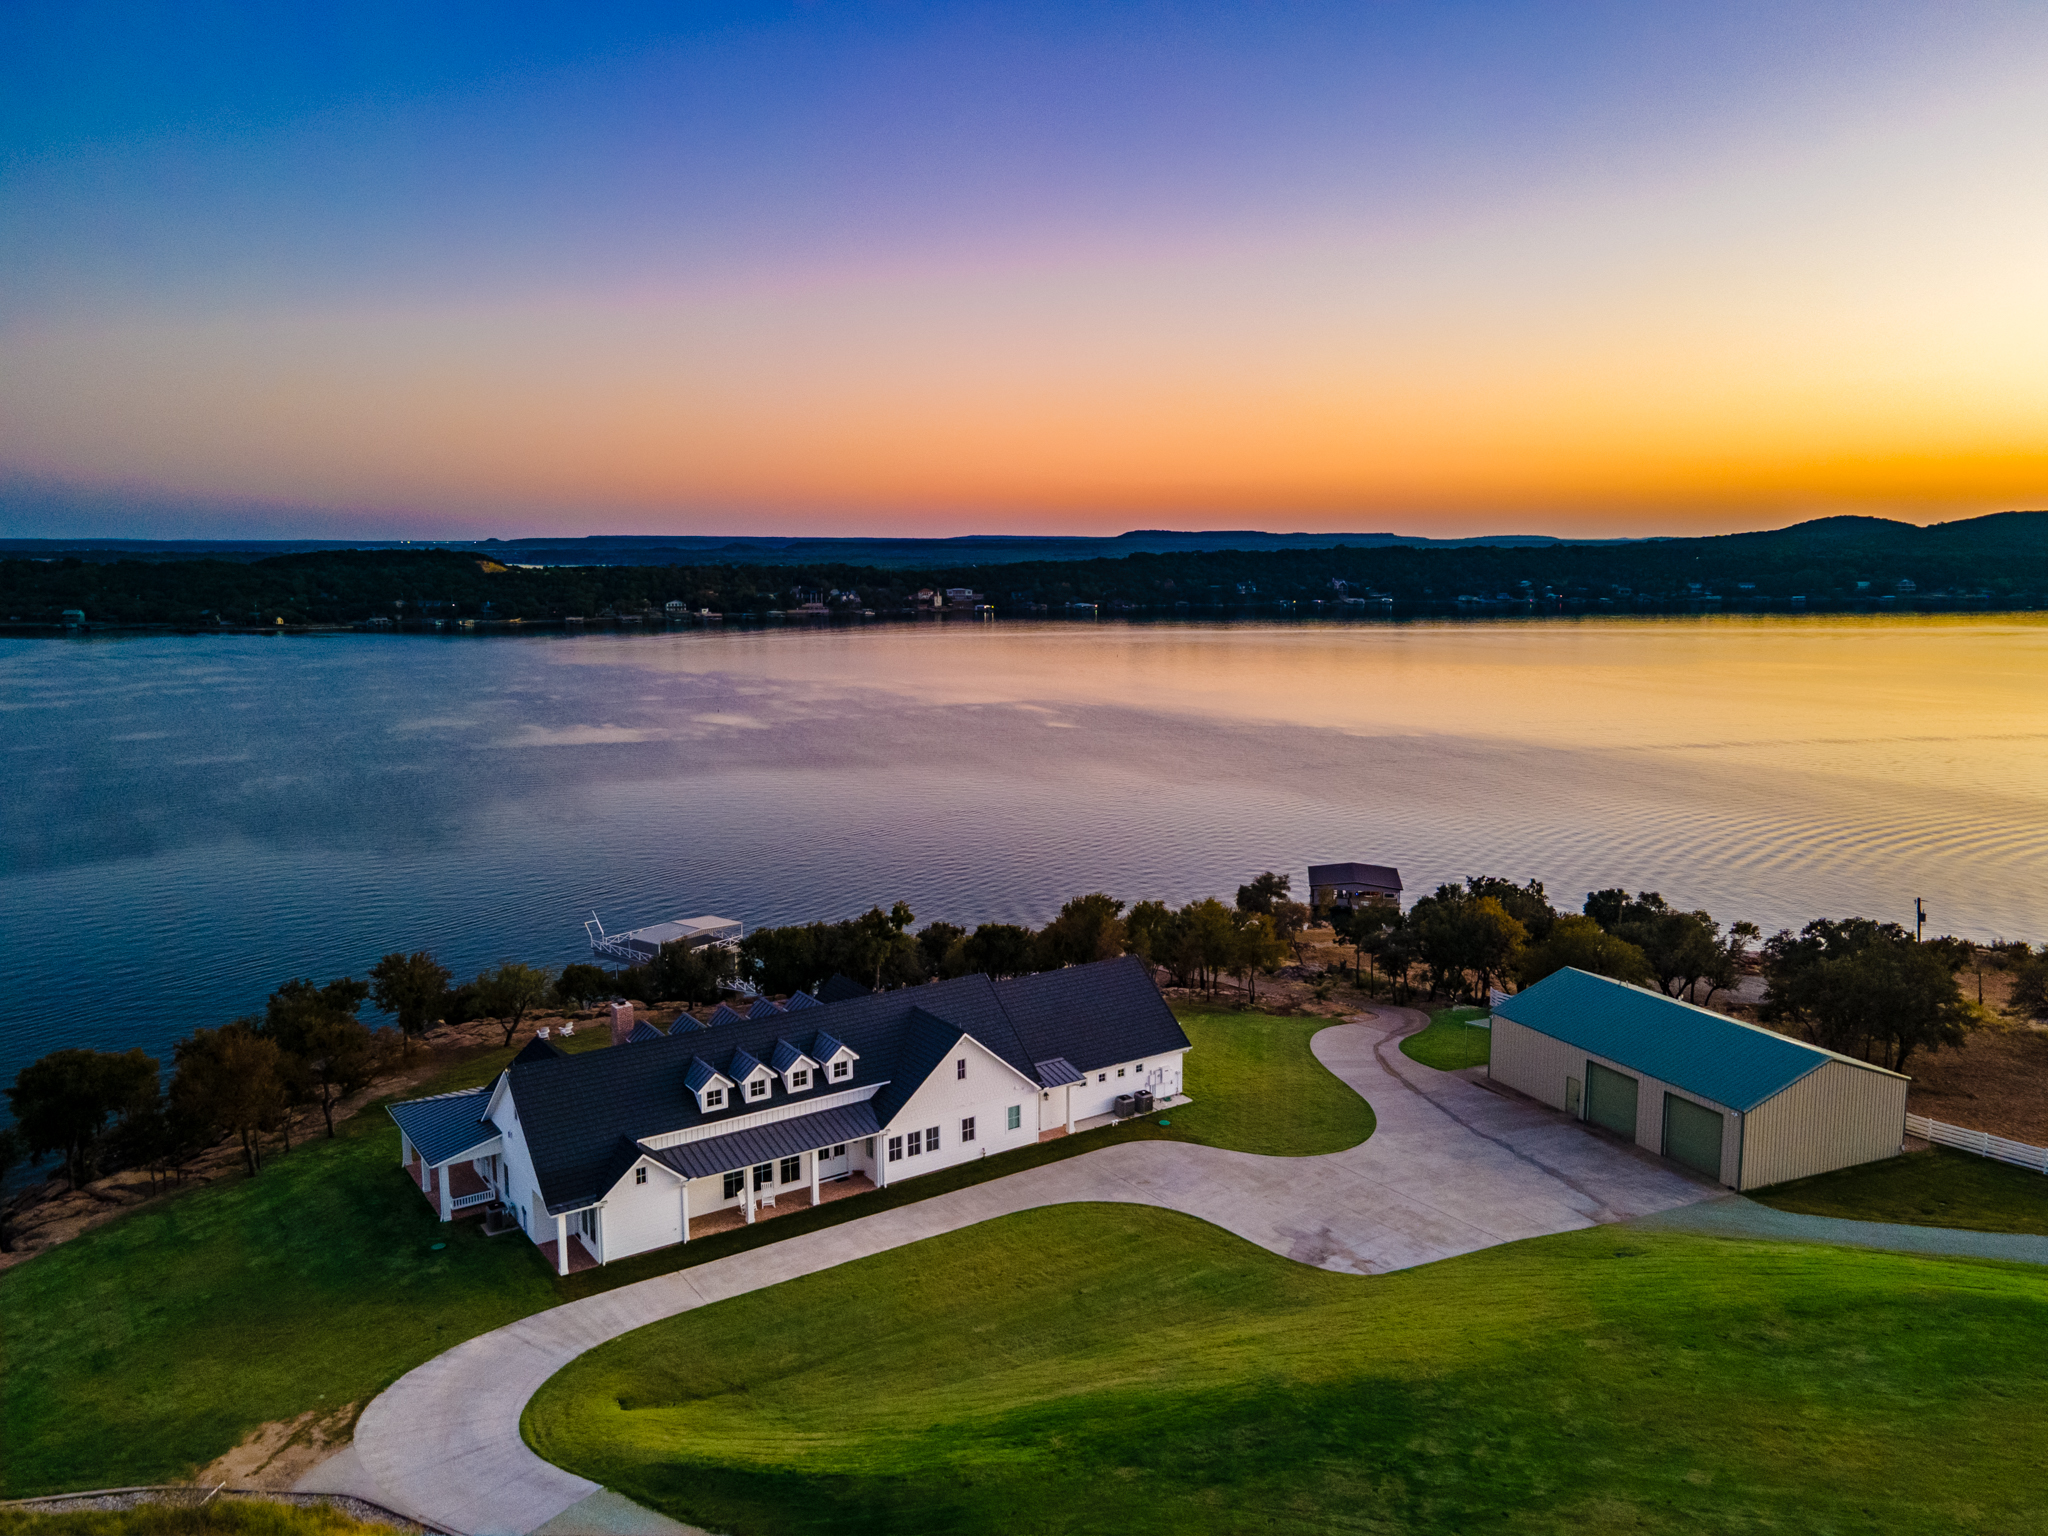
[1834,1117]
[1537,1064]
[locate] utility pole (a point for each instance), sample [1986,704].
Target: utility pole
[1919,918]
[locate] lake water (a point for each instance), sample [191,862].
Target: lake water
[189,821]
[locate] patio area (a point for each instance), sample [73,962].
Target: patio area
[789,1201]
[580,1257]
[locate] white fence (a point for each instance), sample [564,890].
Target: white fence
[1983,1143]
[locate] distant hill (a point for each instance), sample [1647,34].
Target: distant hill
[2000,561]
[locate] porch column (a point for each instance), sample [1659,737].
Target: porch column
[686,1209]
[561,1245]
[882,1159]
[1070,1108]
[814,1176]
[747,1188]
[442,1198]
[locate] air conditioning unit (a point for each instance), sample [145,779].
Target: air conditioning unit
[1141,1102]
[1125,1106]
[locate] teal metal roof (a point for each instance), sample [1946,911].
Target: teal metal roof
[1732,1063]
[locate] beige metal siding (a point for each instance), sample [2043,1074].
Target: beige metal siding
[1537,1064]
[1835,1117]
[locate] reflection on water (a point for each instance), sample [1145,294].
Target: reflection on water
[189,821]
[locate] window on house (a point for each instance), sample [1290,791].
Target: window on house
[967,1129]
[1014,1117]
[758,1088]
[763,1175]
[800,1079]
[838,1151]
[713,1097]
[895,1149]
[639,1175]
[1139,1067]
[931,1139]
[792,1170]
[1119,1071]
[1102,1077]
[841,1068]
[734,1183]
[916,1142]
[960,1068]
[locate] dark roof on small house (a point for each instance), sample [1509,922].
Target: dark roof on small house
[448,1124]
[538,1049]
[1379,876]
[1732,1063]
[575,1110]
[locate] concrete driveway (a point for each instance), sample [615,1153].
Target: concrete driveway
[1453,1167]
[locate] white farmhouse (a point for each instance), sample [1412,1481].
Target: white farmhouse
[613,1152]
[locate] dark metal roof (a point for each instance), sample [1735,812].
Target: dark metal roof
[448,1124]
[724,1014]
[765,1143]
[1379,876]
[841,989]
[1058,1072]
[686,1022]
[538,1049]
[743,1062]
[799,1001]
[698,1073]
[764,1008]
[1732,1063]
[786,1056]
[645,1030]
[574,1110]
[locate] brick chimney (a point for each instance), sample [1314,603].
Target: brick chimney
[622,1022]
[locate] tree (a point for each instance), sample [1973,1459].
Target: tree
[1211,939]
[228,1080]
[939,949]
[695,975]
[1257,947]
[412,987]
[1728,962]
[1001,949]
[512,991]
[13,1150]
[1581,943]
[1089,928]
[1526,904]
[1365,927]
[1263,892]
[579,983]
[882,946]
[1866,989]
[1681,947]
[2029,996]
[325,1052]
[1145,925]
[1459,937]
[63,1101]
[1396,957]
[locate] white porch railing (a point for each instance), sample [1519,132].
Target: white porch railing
[464,1202]
[1983,1143]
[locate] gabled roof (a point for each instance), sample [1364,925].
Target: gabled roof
[538,1049]
[724,1014]
[1382,876]
[700,1074]
[448,1124]
[744,1064]
[645,1030]
[1722,1059]
[841,989]
[765,1143]
[764,1008]
[800,1000]
[574,1110]
[684,1022]
[786,1056]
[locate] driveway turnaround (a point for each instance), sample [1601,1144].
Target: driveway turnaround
[1453,1167]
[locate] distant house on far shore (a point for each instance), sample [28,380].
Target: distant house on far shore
[1345,885]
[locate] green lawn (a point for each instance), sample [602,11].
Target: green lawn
[222,1517]
[143,1350]
[1451,1042]
[1925,1189]
[1127,1370]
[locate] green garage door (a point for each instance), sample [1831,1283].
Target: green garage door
[1692,1135]
[1611,1099]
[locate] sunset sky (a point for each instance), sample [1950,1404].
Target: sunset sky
[820,268]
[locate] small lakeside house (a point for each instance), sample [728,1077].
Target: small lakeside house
[1741,1104]
[1346,885]
[612,1152]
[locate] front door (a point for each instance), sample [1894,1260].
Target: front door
[832,1163]
[1611,1099]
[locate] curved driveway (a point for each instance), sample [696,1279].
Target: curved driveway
[1452,1167]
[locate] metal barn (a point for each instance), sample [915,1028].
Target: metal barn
[1736,1102]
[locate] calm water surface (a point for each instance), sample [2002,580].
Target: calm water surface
[189,821]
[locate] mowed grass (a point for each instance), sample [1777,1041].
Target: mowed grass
[220,1517]
[139,1352]
[1451,1042]
[1939,1188]
[1120,1369]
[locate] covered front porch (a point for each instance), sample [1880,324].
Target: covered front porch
[450,1151]
[786,1203]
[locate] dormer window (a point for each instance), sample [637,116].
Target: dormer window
[841,1069]
[708,1083]
[758,1088]
[800,1078]
[714,1098]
